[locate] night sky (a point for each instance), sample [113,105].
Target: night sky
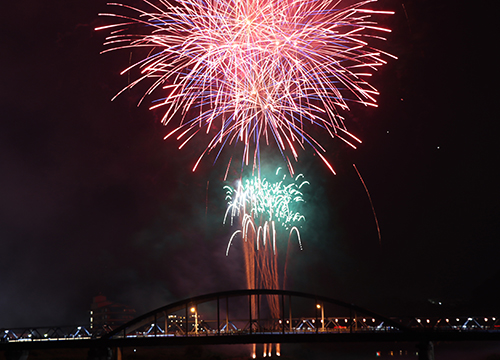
[94,201]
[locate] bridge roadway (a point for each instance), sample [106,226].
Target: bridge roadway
[241,317]
[417,336]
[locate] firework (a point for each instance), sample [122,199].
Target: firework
[261,205]
[263,208]
[253,72]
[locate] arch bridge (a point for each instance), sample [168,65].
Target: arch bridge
[245,317]
[215,318]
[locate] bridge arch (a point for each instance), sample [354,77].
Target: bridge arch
[244,312]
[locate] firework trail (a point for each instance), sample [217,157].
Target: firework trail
[253,72]
[262,207]
[371,204]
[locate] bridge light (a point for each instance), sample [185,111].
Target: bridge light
[318,306]
[364,320]
[428,321]
[486,319]
[447,320]
[193,309]
[458,319]
[373,320]
[493,319]
[418,320]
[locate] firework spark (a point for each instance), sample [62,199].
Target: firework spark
[262,205]
[263,208]
[254,71]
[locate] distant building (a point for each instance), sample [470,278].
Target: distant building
[106,313]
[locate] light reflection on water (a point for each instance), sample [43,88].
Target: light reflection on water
[320,351]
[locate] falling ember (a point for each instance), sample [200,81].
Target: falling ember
[253,72]
[371,204]
[263,209]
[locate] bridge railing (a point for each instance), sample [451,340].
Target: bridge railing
[460,323]
[208,327]
[52,333]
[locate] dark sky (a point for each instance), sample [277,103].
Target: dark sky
[92,200]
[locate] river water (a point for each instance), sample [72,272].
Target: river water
[320,351]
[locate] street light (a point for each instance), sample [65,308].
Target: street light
[318,306]
[195,311]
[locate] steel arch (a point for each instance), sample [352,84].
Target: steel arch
[184,304]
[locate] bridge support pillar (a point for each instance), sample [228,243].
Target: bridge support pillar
[426,350]
[16,355]
[104,353]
